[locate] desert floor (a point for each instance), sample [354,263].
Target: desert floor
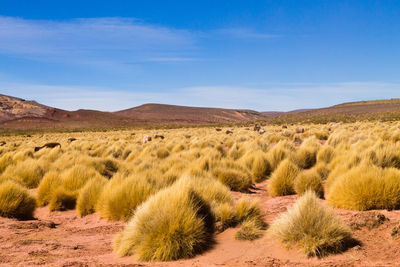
[65,239]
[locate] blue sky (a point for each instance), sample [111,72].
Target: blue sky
[262,55]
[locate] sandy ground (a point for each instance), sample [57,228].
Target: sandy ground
[64,239]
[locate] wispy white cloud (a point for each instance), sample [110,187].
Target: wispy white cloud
[245,33]
[280,98]
[101,39]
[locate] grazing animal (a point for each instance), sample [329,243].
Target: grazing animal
[284,127]
[2,143]
[257,128]
[159,136]
[261,131]
[218,129]
[229,132]
[299,130]
[146,139]
[48,145]
[72,139]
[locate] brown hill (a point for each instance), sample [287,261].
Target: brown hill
[346,112]
[172,113]
[17,113]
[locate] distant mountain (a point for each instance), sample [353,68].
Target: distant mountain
[172,113]
[353,111]
[17,113]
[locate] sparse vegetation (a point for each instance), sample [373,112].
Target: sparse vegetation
[311,227]
[185,181]
[281,182]
[16,201]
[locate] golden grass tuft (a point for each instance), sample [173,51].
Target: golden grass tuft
[16,201]
[162,153]
[49,183]
[261,168]
[309,180]
[325,154]
[235,179]
[282,179]
[121,197]
[29,172]
[173,224]
[89,195]
[311,227]
[62,199]
[366,187]
[251,217]
[75,178]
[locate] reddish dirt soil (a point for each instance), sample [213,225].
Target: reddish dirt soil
[64,239]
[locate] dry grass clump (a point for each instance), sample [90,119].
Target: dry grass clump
[309,180]
[5,160]
[313,228]
[49,183]
[75,178]
[385,156]
[89,195]
[173,224]
[162,153]
[29,172]
[366,187]
[278,153]
[16,201]
[325,154]
[306,157]
[235,179]
[282,179]
[250,230]
[62,199]
[121,196]
[261,168]
[251,217]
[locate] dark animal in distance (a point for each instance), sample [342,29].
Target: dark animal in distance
[257,128]
[218,129]
[159,136]
[2,143]
[48,145]
[229,132]
[284,127]
[72,139]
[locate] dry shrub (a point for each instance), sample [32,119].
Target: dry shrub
[306,157]
[16,201]
[5,161]
[312,227]
[235,179]
[121,197]
[309,180]
[49,183]
[62,199]
[261,168]
[325,154]
[89,195]
[75,178]
[385,156]
[28,172]
[366,187]
[251,217]
[278,153]
[162,153]
[250,230]
[282,179]
[322,170]
[173,224]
